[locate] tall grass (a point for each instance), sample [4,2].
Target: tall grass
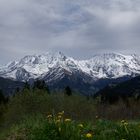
[54,127]
[78,108]
[75,106]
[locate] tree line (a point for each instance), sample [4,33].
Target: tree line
[38,84]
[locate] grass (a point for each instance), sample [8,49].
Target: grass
[25,117]
[60,127]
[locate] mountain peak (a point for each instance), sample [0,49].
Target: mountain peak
[42,58]
[108,65]
[110,55]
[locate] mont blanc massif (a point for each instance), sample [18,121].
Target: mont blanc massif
[59,71]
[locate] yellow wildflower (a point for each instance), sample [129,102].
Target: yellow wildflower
[49,116]
[123,121]
[59,117]
[81,125]
[61,113]
[67,120]
[89,135]
[59,129]
[57,121]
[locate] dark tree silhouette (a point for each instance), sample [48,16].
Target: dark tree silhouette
[40,84]
[68,91]
[17,90]
[2,98]
[27,85]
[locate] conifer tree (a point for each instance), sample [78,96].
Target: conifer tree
[2,98]
[68,91]
[40,84]
[27,85]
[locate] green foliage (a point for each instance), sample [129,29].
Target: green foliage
[54,127]
[92,114]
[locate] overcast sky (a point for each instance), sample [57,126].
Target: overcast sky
[79,28]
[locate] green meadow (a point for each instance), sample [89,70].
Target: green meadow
[37,115]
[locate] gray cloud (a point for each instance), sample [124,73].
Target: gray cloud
[77,27]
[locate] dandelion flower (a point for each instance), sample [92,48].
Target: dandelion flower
[89,135]
[59,117]
[59,129]
[81,125]
[61,113]
[57,121]
[67,120]
[123,121]
[49,116]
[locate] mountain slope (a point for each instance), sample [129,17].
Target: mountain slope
[99,66]
[37,65]
[55,67]
[129,88]
[9,86]
[112,65]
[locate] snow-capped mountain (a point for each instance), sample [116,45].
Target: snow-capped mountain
[36,66]
[111,65]
[59,70]
[54,66]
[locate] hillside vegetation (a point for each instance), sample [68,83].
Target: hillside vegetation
[124,90]
[33,115]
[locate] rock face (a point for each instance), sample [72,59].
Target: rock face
[58,69]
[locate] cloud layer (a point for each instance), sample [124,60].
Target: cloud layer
[79,28]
